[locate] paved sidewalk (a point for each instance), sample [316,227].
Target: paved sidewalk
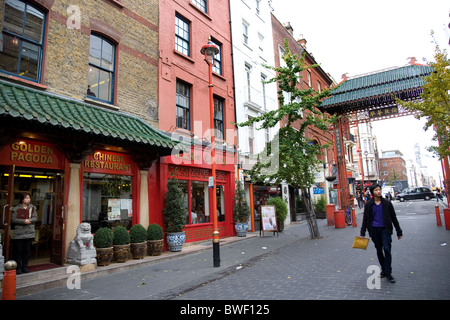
[290,266]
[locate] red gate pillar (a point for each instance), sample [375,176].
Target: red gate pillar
[330,214]
[344,196]
[438,216]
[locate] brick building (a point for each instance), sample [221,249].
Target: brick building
[392,167]
[184,105]
[316,78]
[78,116]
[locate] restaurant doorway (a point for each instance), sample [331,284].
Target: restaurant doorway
[46,190]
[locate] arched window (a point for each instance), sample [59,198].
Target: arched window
[101,75]
[22,40]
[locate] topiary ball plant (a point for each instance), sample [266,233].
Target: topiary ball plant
[103,238]
[138,234]
[121,236]
[154,232]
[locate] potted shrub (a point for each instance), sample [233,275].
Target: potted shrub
[138,239]
[155,240]
[121,244]
[281,210]
[174,216]
[103,239]
[241,210]
[320,207]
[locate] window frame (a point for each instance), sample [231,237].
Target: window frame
[217,67]
[202,5]
[100,68]
[218,121]
[179,106]
[182,38]
[22,38]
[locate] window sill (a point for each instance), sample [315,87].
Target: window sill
[22,81]
[101,104]
[183,56]
[200,10]
[117,3]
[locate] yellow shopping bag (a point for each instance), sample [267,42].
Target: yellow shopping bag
[360,243]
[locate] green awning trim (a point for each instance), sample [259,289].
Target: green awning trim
[48,108]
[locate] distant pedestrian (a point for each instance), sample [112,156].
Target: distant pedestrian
[439,195]
[379,216]
[359,197]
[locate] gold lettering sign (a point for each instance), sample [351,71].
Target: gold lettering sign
[107,161]
[32,153]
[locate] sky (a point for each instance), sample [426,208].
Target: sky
[357,37]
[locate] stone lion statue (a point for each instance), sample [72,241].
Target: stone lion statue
[84,238]
[81,249]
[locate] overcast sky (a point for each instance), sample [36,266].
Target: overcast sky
[356,37]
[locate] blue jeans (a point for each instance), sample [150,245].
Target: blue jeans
[382,241]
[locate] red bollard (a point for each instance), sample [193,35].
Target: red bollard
[438,217]
[330,214]
[447,218]
[353,217]
[339,219]
[9,281]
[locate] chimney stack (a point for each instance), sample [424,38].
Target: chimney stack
[289,28]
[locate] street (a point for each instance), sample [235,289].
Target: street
[292,267]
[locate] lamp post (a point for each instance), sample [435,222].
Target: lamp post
[210,50]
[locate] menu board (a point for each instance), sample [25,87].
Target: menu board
[268,218]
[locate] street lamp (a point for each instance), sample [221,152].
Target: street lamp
[210,50]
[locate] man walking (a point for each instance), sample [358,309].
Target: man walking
[379,216]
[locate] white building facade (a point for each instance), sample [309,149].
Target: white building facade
[252,42]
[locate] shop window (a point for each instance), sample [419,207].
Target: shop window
[22,40]
[107,200]
[194,184]
[199,202]
[101,69]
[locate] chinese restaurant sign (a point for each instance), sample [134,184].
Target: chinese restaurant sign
[103,161]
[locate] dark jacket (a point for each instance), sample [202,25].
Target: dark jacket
[22,230]
[389,215]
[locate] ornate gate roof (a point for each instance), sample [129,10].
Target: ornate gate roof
[375,91]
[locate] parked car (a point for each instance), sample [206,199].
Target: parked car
[415,193]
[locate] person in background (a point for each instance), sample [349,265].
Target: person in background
[24,232]
[379,216]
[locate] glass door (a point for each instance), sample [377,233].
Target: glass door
[46,191]
[6,199]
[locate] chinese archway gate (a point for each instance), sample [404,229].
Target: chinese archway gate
[368,98]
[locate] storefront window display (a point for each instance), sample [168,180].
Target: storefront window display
[107,200]
[196,197]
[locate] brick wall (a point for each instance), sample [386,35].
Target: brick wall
[391,165]
[132,23]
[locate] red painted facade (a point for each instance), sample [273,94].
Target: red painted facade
[188,67]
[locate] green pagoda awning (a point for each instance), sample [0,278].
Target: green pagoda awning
[377,89]
[56,111]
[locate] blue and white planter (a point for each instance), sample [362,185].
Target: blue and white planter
[176,240]
[241,228]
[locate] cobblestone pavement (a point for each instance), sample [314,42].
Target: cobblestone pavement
[329,268]
[291,267]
